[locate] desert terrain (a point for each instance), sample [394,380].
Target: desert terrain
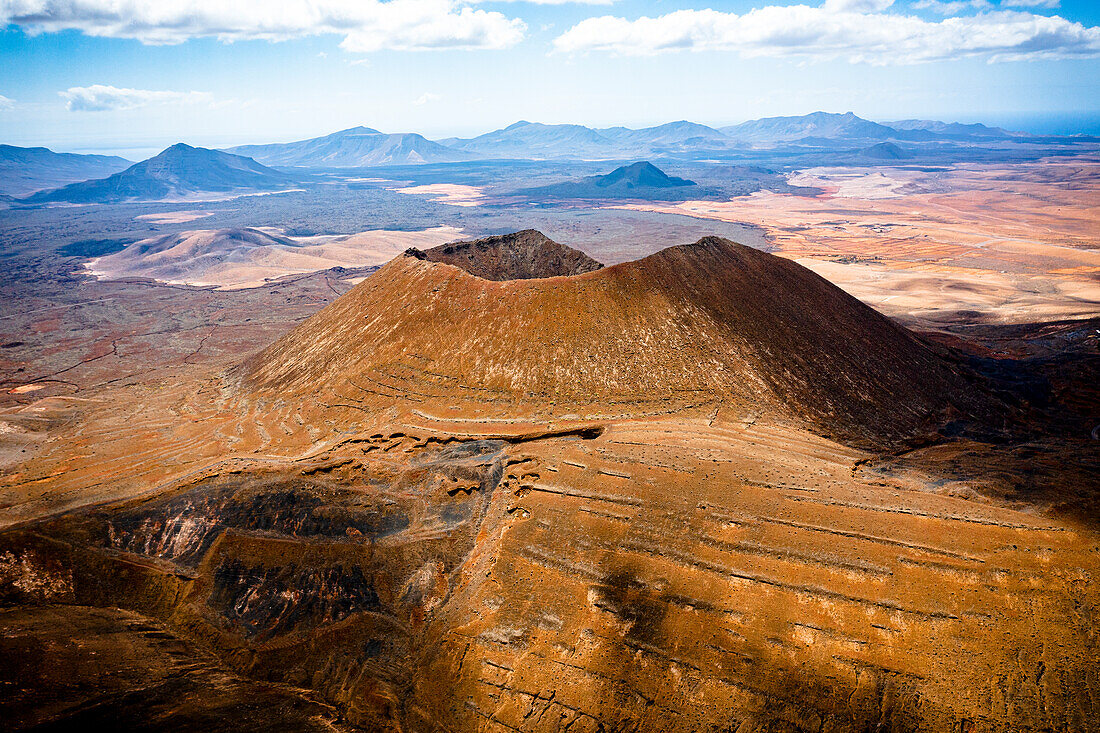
[230,259]
[988,243]
[817,458]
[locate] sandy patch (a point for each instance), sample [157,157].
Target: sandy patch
[24,388]
[447,193]
[855,183]
[173,217]
[235,259]
[198,198]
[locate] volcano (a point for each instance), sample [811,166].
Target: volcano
[713,320]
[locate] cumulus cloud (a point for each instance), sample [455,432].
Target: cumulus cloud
[857,6]
[816,33]
[366,25]
[102,98]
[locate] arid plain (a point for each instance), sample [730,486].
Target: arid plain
[970,243]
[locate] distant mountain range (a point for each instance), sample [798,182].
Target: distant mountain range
[673,135]
[523,140]
[534,140]
[953,130]
[815,126]
[26,170]
[356,147]
[180,171]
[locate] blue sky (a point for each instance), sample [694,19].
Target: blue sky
[74,77]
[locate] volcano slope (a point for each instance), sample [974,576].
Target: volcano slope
[634,498]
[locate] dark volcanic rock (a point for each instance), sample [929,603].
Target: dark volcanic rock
[640,174]
[525,255]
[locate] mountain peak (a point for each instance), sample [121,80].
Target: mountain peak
[359,130]
[640,174]
[178,148]
[178,171]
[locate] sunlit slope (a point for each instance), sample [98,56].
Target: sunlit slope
[713,321]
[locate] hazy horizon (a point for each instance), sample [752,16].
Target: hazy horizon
[1085,124]
[89,77]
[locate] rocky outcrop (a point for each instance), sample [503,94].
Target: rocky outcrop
[522,255]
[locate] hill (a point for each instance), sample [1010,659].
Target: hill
[952,130]
[353,148]
[26,170]
[641,180]
[814,126]
[714,319]
[681,136]
[180,171]
[535,140]
[244,257]
[522,255]
[885,151]
[640,175]
[186,257]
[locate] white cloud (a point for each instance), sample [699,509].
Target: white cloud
[6,102]
[817,33]
[366,25]
[951,7]
[1031,3]
[857,6]
[425,98]
[101,98]
[562,2]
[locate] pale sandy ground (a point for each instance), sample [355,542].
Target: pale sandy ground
[855,183]
[24,388]
[1011,243]
[173,217]
[249,267]
[447,193]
